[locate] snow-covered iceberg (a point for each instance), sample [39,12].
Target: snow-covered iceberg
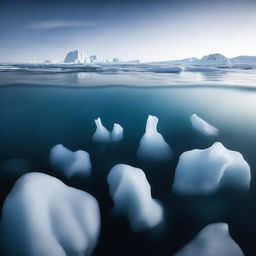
[117,133]
[43,216]
[212,240]
[205,171]
[101,134]
[215,59]
[131,194]
[70,163]
[152,146]
[77,57]
[202,126]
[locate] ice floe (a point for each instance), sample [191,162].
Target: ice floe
[117,133]
[152,146]
[43,216]
[205,171]
[212,240]
[202,126]
[131,194]
[70,163]
[101,134]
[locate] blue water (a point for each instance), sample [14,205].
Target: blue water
[33,118]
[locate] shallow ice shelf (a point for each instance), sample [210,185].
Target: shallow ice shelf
[70,163]
[131,194]
[202,126]
[212,240]
[205,171]
[43,216]
[152,146]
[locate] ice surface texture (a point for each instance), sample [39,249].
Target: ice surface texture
[205,171]
[70,163]
[131,194]
[212,240]
[152,146]
[102,135]
[44,217]
[202,126]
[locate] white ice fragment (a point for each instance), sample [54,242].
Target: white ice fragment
[42,216]
[131,194]
[70,163]
[152,146]
[117,133]
[205,171]
[77,57]
[101,134]
[212,240]
[202,126]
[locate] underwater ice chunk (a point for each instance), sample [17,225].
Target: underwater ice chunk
[117,133]
[212,240]
[205,171]
[202,126]
[70,163]
[101,134]
[152,146]
[131,194]
[42,216]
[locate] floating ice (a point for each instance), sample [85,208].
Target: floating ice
[101,134]
[76,56]
[205,171]
[131,194]
[70,163]
[153,147]
[117,133]
[202,126]
[212,240]
[215,59]
[43,216]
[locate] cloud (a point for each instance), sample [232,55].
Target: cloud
[55,24]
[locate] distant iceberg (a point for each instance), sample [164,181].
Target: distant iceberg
[204,171]
[131,194]
[76,56]
[43,216]
[70,163]
[214,60]
[212,240]
[152,146]
[202,126]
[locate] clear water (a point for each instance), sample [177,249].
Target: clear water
[34,118]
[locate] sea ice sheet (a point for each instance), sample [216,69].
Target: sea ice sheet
[131,194]
[42,216]
[205,171]
[212,240]
[152,146]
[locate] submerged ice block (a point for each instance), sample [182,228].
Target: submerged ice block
[202,126]
[101,134]
[42,216]
[212,240]
[117,133]
[131,194]
[70,163]
[152,146]
[205,171]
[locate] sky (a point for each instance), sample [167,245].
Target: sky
[36,30]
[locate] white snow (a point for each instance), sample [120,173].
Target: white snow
[205,171]
[70,163]
[131,194]
[76,56]
[152,146]
[202,126]
[101,134]
[117,133]
[212,240]
[42,216]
